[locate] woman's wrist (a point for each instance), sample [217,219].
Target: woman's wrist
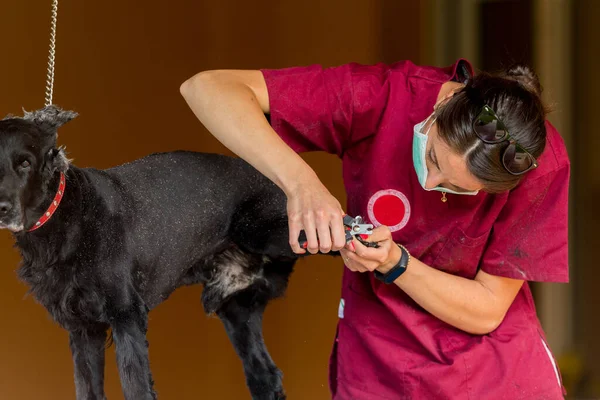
[296,177]
[395,256]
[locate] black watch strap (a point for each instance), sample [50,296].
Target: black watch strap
[397,270]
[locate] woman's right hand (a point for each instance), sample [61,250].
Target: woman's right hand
[313,209]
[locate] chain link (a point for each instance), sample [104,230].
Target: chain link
[51,56]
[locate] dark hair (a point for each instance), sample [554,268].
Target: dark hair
[515,96]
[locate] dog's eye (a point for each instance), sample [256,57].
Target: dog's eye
[25,164]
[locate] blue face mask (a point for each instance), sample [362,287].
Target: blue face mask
[419,151]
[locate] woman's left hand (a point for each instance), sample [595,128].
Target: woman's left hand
[361,258]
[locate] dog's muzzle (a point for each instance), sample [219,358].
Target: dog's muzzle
[10,216]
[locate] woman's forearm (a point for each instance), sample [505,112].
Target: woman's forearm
[231,105]
[227,105]
[467,304]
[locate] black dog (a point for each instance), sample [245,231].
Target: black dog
[104,247]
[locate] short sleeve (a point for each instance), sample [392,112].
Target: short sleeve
[313,108]
[530,237]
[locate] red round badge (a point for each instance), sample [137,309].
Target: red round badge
[389,207]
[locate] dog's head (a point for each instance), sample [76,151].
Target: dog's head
[28,161]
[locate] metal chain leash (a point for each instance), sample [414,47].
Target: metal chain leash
[52,55]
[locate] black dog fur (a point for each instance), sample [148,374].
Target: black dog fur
[123,239]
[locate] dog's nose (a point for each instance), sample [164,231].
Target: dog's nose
[5,207]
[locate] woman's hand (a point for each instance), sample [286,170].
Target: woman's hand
[313,209]
[361,258]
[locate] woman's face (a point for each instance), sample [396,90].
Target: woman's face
[446,168]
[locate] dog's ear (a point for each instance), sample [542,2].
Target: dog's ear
[56,159]
[50,117]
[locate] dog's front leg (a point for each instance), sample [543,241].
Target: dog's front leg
[129,334]
[87,348]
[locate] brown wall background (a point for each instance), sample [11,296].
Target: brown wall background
[119,64]
[586,185]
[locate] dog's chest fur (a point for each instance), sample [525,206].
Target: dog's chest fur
[65,290]
[57,275]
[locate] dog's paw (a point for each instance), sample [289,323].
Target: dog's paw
[280,396]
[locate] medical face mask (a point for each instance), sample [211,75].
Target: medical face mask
[419,154]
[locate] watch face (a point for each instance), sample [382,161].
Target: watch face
[394,273]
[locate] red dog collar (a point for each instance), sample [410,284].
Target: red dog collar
[53,206]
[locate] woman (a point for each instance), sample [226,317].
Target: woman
[467,185]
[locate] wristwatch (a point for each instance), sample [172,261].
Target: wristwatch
[397,270]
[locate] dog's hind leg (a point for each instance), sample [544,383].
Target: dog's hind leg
[87,348]
[242,317]
[237,287]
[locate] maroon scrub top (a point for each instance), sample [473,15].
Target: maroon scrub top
[386,345]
